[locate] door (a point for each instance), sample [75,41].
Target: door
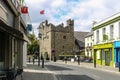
[2,53]
[117,56]
[107,58]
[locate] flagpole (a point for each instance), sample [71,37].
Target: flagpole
[42,12]
[28,16]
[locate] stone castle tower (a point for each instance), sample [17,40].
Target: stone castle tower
[55,40]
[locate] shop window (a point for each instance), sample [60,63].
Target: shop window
[103,55]
[98,54]
[110,54]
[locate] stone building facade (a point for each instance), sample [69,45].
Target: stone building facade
[13,37]
[56,40]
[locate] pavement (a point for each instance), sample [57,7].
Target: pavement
[91,66]
[35,72]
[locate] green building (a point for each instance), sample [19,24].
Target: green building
[105,33]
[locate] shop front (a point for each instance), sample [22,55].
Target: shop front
[104,54]
[116,53]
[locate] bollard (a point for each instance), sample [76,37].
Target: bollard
[54,59]
[42,63]
[29,59]
[38,61]
[78,60]
[94,63]
[33,61]
[94,59]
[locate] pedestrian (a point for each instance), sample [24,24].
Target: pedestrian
[65,59]
[33,60]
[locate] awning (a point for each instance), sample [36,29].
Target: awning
[10,30]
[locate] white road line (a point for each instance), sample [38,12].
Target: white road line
[36,71]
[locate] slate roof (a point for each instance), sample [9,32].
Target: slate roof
[89,34]
[80,37]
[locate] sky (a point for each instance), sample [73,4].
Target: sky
[83,12]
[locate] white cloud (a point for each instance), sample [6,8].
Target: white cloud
[83,12]
[58,3]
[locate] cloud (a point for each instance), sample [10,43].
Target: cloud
[82,11]
[58,3]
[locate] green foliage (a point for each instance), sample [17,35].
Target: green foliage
[31,48]
[105,37]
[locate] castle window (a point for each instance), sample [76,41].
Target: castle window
[64,37]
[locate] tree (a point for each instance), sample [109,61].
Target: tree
[33,47]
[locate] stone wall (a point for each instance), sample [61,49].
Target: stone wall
[60,38]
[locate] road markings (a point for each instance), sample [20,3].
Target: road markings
[36,71]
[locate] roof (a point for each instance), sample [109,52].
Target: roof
[80,38]
[89,34]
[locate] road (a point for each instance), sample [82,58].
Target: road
[71,72]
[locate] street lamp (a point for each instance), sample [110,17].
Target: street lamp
[40,36]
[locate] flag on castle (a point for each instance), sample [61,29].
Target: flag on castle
[42,12]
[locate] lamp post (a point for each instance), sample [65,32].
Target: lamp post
[38,58]
[40,36]
[78,55]
[53,49]
[78,59]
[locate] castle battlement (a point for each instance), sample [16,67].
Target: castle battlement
[61,28]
